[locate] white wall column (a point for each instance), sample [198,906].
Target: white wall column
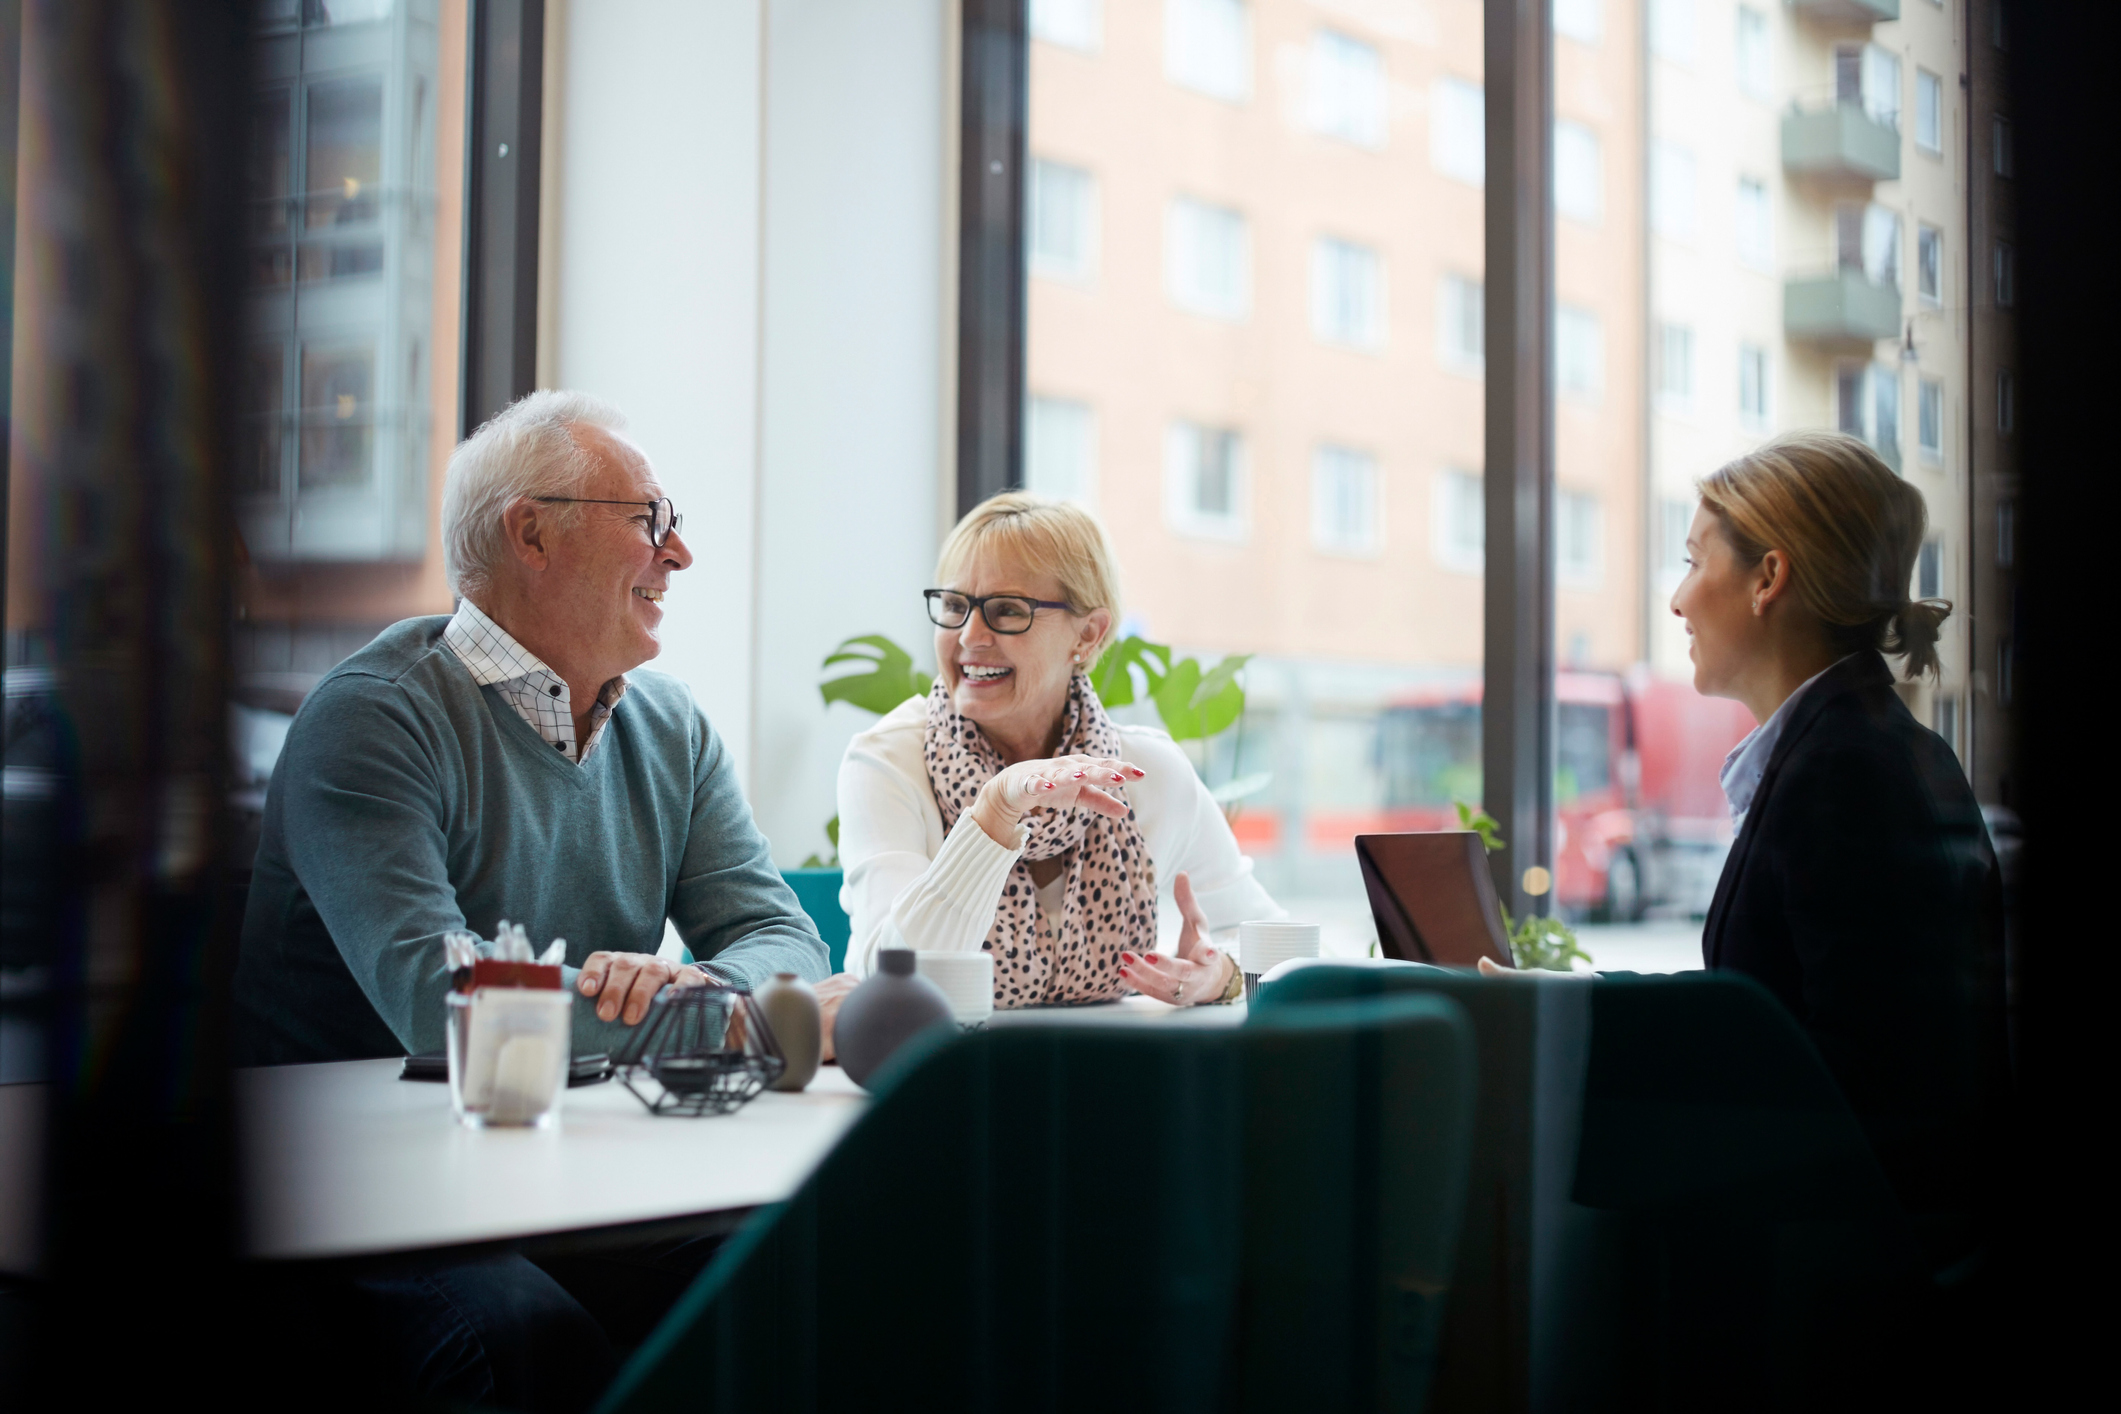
[655,256]
[852,443]
[746,246]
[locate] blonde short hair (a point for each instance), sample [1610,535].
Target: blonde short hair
[1852,530]
[1058,537]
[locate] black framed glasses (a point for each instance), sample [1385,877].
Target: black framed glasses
[1004,613]
[662,516]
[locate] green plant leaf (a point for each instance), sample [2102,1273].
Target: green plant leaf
[1113,677]
[1542,943]
[1173,697]
[1220,679]
[890,677]
[1481,823]
[1241,787]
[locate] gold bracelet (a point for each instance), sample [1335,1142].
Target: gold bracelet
[1236,988]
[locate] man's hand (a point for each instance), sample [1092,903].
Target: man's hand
[624,983]
[830,993]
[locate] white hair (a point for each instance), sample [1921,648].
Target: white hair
[526,450]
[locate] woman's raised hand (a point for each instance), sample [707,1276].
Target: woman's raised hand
[1054,783]
[1197,973]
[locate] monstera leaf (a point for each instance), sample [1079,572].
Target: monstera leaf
[1113,678]
[888,678]
[1197,705]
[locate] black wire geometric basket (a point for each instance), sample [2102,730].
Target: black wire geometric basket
[699,1051]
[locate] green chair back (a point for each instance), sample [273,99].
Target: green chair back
[818,891]
[1090,1217]
[1674,1206]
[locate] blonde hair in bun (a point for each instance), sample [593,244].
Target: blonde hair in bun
[1852,530]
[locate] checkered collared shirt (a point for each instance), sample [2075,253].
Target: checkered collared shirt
[536,692]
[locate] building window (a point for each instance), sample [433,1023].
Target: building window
[1998,29]
[1072,24]
[1461,335]
[1578,539]
[1675,519]
[2006,274]
[1347,294]
[1929,111]
[1208,47]
[1063,221]
[1205,490]
[1579,178]
[1929,420]
[1672,191]
[1867,405]
[1948,722]
[1060,449]
[1753,387]
[1579,353]
[2006,532]
[1756,228]
[1868,76]
[1999,137]
[1461,522]
[2006,402]
[1672,30]
[1755,64]
[1867,238]
[1458,130]
[1208,259]
[1929,265]
[1344,518]
[1580,20]
[1929,570]
[1347,89]
[1675,368]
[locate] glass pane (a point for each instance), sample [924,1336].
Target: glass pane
[271,156]
[1804,228]
[265,408]
[1256,346]
[338,415]
[344,152]
[351,387]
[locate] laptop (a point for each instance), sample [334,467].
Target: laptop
[1433,898]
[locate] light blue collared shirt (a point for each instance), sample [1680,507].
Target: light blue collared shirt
[1747,763]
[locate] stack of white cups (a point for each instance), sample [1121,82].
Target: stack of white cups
[1266,944]
[967,979]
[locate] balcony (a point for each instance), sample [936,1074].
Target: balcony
[1847,12]
[1841,141]
[1843,306]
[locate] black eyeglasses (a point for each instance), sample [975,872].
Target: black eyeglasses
[1004,613]
[662,517]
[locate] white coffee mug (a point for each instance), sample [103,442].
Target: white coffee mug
[967,979]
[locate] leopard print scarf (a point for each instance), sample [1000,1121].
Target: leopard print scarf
[1110,888]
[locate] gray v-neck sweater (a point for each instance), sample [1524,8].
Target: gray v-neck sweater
[409,801]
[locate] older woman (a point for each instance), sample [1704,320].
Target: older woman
[1006,811]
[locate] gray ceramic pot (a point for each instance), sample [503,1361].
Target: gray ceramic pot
[886,1011]
[791,1010]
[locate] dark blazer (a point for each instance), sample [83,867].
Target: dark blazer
[1862,891]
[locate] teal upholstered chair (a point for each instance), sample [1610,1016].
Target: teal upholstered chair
[818,891]
[1088,1217]
[1672,1204]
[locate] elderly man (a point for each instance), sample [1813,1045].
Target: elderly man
[501,763]
[508,762]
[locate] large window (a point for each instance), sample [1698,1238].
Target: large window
[1280,348]
[343,317]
